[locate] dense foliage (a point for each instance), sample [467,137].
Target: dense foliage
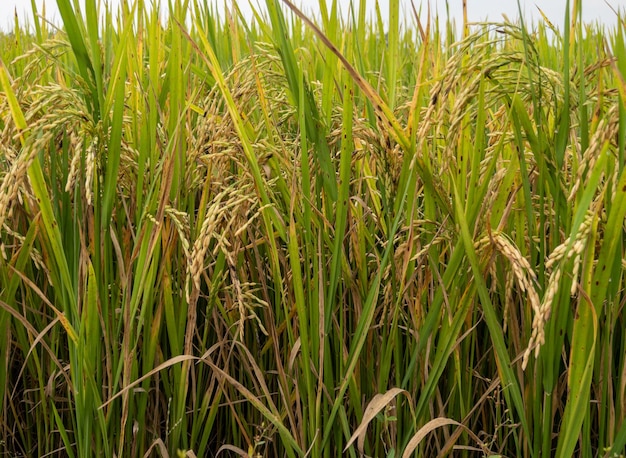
[286,238]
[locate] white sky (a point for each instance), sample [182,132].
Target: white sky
[478,10]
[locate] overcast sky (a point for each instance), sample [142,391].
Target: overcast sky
[478,10]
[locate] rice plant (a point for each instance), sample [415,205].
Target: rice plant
[295,236]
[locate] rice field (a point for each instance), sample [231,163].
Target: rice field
[290,237]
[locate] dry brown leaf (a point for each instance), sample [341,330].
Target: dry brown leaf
[378,403]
